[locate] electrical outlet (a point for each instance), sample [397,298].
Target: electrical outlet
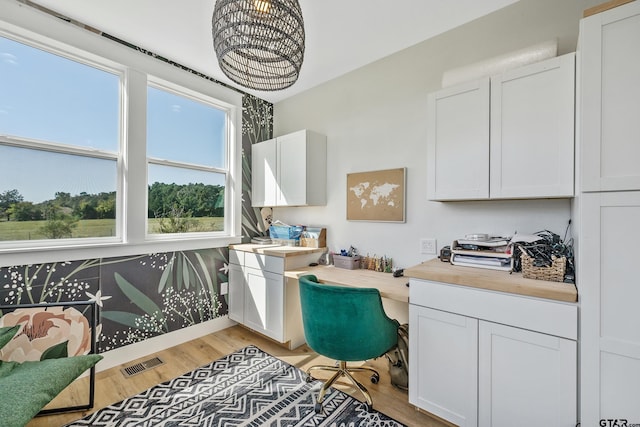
[428,246]
[224,288]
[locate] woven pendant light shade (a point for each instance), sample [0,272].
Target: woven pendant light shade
[259,43]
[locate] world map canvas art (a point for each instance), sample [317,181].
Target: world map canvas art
[376,195]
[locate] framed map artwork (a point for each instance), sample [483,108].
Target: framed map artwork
[376,195]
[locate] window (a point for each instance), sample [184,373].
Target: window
[105,147]
[59,145]
[187,163]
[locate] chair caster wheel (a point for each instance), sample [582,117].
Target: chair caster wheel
[375,378]
[308,378]
[317,408]
[369,408]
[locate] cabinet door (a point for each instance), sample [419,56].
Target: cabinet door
[264,303]
[292,169]
[532,130]
[525,378]
[443,375]
[264,173]
[609,49]
[235,300]
[458,142]
[609,316]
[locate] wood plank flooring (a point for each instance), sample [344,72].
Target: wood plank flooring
[112,386]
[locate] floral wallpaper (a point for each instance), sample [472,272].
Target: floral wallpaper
[56,331]
[143,296]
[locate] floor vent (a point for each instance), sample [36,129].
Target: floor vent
[138,368]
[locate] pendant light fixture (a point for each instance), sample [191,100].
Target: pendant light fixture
[259,43]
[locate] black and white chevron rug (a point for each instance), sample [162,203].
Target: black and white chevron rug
[245,388]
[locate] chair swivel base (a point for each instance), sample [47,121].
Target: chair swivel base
[341,370]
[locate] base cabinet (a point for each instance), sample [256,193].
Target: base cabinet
[445,380]
[473,369]
[263,302]
[261,298]
[525,378]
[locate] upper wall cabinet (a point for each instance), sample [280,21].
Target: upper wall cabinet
[507,137]
[610,100]
[458,142]
[290,170]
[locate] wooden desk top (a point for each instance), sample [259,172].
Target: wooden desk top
[438,271]
[395,287]
[390,287]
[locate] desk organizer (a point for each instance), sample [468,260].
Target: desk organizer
[347,262]
[314,237]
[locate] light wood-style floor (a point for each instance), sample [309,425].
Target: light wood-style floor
[112,386]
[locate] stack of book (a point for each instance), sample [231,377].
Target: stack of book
[493,253]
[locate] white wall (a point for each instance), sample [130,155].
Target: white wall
[375,118]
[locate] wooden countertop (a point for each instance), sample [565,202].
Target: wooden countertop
[394,288]
[438,271]
[276,250]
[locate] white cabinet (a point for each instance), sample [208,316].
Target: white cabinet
[458,142]
[264,178]
[608,213]
[485,358]
[235,299]
[444,368]
[609,294]
[505,137]
[261,298]
[290,170]
[256,292]
[526,378]
[609,76]
[532,130]
[263,303]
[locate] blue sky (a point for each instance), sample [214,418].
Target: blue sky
[47,97]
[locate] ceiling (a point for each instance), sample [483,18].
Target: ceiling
[341,35]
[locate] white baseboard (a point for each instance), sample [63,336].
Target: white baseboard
[149,346]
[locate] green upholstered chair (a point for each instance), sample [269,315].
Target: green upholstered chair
[346,324]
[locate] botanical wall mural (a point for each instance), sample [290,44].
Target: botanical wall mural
[143,296]
[257,126]
[138,297]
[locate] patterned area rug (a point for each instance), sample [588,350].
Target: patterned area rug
[245,388]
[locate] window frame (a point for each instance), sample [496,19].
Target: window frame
[172,88]
[30,26]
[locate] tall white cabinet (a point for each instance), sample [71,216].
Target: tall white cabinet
[505,137]
[608,210]
[290,170]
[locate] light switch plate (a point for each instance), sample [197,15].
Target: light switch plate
[224,288]
[428,246]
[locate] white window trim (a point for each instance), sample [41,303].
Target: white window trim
[23,22]
[198,97]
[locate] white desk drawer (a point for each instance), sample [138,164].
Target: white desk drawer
[264,262]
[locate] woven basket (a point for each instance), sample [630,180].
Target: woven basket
[554,273]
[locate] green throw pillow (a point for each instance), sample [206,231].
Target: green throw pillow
[25,388]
